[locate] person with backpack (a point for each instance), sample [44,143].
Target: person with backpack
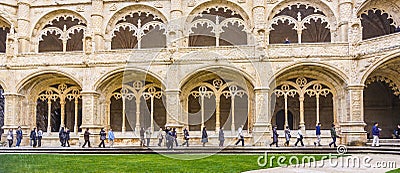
[274,137]
[102,138]
[300,138]
[287,136]
[333,136]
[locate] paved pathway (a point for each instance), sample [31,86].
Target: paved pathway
[343,165]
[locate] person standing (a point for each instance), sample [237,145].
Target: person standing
[204,136]
[318,134]
[169,139]
[19,136]
[287,136]
[240,136]
[111,138]
[274,137]
[299,138]
[141,132]
[186,137]
[61,135]
[333,136]
[287,41]
[375,134]
[33,137]
[148,136]
[40,136]
[102,137]
[10,138]
[67,137]
[160,136]
[174,135]
[86,138]
[221,137]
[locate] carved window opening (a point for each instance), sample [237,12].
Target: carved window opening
[217,103]
[309,100]
[65,33]
[139,30]
[299,23]
[382,105]
[217,26]
[376,23]
[59,106]
[136,105]
[3,38]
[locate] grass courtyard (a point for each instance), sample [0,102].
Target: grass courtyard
[132,163]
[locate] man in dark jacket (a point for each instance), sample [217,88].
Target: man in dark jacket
[221,137]
[186,137]
[396,132]
[334,136]
[33,137]
[86,137]
[318,134]
[102,137]
[19,136]
[375,134]
[61,135]
[274,137]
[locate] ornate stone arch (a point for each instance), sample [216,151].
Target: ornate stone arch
[375,64]
[386,6]
[56,15]
[198,9]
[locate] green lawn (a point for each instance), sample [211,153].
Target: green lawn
[131,163]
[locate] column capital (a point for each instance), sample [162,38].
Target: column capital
[168,90]
[355,87]
[262,88]
[88,92]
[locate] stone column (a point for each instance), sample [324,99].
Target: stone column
[90,114]
[173,108]
[259,21]
[262,118]
[96,24]
[176,24]
[345,12]
[302,124]
[353,128]
[23,20]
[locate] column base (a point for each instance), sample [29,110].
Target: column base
[261,134]
[353,133]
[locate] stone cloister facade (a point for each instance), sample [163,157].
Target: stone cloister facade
[138,64]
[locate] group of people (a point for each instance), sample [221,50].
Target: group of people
[10,137]
[64,136]
[300,136]
[103,137]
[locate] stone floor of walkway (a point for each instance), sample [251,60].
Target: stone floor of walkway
[369,163]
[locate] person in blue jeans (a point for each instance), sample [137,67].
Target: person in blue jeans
[334,136]
[318,134]
[19,136]
[375,134]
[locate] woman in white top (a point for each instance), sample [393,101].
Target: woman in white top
[299,138]
[10,138]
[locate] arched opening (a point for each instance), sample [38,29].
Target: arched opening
[3,38]
[62,34]
[217,99]
[217,26]
[280,120]
[376,23]
[382,106]
[139,30]
[299,21]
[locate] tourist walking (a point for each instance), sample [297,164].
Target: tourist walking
[333,136]
[169,139]
[61,135]
[141,133]
[160,136]
[19,136]
[86,138]
[375,134]
[299,137]
[10,138]
[318,134]
[40,136]
[67,137]
[221,137]
[274,137]
[174,135]
[204,136]
[287,136]
[186,137]
[102,137]
[148,136]
[240,136]
[111,137]
[396,132]
[33,137]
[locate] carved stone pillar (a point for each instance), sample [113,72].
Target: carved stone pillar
[97,21]
[173,108]
[12,111]
[23,21]
[345,12]
[259,21]
[174,38]
[90,114]
[302,123]
[353,129]
[262,118]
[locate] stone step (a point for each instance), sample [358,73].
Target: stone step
[386,141]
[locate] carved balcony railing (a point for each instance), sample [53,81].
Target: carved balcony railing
[379,44]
